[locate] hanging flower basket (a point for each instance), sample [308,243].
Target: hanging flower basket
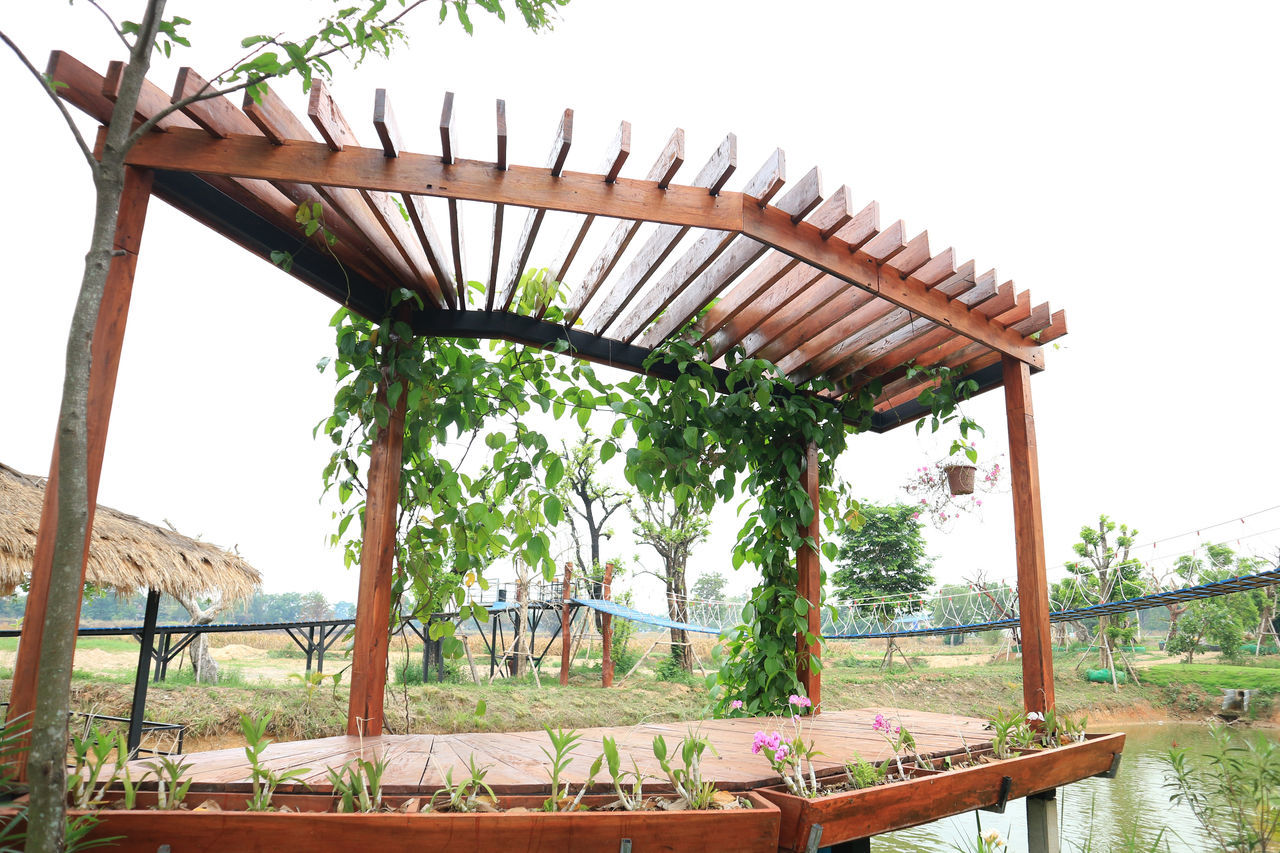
[960,477]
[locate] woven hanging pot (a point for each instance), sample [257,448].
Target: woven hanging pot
[960,478]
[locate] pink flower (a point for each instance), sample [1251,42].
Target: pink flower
[799,701]
[795,718]
[773,741]
[978,501]
[758,744]
[781,753]
[735,705]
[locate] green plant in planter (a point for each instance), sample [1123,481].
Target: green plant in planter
[93,756]
[358,785]
[563,743]
[171,784]
[863,774]
[630,797]
[687,781]
[262,779]
[1010,731]
[465,796]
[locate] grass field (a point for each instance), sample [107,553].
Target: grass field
[1215,676]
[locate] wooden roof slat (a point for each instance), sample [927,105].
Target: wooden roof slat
[533,221]
[887,243]
[834,213]
[1057,327]
[833,333]
[704,252]
[1038,320]
[151,99]
[960,281]
[499,209]
[798,311]
[661,242]
[798,201]
[457,239]
[218,117]
[937,269]
[388,130]
[273,118]
[911,258]
[777,295]
[894,321]
[337,132]
[385,125]
[970,358]
[274,201]
[1020,311]
[859,231]
[83,86]
[619,151]
[1002,301]
[663,172]
[849,302]
[984,288]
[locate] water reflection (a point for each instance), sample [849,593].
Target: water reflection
[1095,814]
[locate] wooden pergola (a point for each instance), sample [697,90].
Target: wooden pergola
[817,285]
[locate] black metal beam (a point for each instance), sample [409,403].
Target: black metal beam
[138,710]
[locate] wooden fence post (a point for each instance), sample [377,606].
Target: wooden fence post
[565,625]
[606,631]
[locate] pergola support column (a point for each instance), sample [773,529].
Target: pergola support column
[1033,584]
[809,587]
[377,553]
[565,624]
[138,710]
[108,338]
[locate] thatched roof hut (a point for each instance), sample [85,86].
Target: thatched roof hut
[126,554]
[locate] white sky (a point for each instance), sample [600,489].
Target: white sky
[1117,159]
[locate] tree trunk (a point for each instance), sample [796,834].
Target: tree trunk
[678,611]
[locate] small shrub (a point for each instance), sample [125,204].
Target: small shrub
[669,669]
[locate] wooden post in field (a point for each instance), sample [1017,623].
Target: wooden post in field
[108,338]
[1033,585]
[606,631]
[373,602]
[565,625]
[809,587]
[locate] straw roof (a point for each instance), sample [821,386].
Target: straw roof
[126,554]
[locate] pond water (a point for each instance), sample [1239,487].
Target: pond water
[1095,814]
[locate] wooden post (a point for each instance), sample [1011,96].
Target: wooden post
[1033,585]
[108,337]
[373,603]
[565,625]
[606,631]
[809,587]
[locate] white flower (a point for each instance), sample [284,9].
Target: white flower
[1033,716]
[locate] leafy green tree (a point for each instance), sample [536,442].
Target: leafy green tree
[1222,620]
[357,31]
[672,531]
[885,560]
[710,586]
[1105,573]
[590,501]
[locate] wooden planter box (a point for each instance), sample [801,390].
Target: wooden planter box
[754,830]
[933,794]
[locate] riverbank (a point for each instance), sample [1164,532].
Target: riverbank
[852,680]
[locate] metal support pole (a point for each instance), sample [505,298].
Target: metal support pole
[311,646]
[148,639]
[1042,822]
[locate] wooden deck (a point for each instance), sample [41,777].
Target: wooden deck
[517,764]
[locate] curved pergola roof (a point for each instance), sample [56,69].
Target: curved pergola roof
[817,285]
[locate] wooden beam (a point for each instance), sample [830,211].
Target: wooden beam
[832,215]
[785,331]
[377,555]
[385,125]
[338,133]
[533,221]
[424,174]
[699,257]
[217,116]
[798,201]
[810,587]
[108,339]
[662,173]
[457,240]
[606,632]
[618,153]
[790,289]
[151,99]
[804,241]
[1033,584]
[663,240]
[499,210]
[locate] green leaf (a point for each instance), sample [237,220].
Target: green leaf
[555,472]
